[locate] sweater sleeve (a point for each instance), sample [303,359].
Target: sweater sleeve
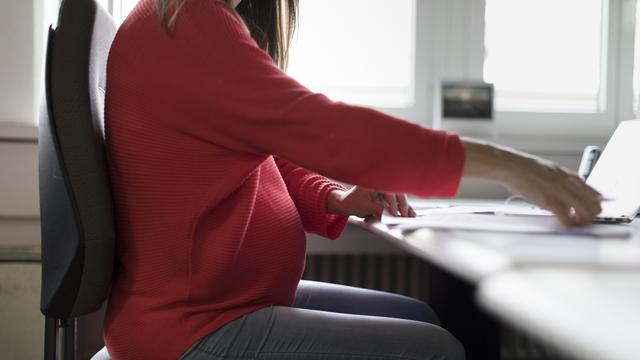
[309,192]
[237,98]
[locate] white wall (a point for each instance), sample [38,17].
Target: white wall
[17,85]
[22,34]
[18,180]
[21,40]
[23,25]
[21,43]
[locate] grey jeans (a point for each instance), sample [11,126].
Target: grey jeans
[333,322]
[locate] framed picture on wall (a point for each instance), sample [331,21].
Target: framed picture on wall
[468,100]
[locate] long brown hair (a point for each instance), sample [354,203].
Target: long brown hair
[271,22]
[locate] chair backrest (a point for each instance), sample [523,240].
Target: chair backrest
[76,209]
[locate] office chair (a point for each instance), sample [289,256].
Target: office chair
[76,210]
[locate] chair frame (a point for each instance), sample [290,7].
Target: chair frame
[77,220]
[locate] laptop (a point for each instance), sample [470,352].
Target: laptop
[617,176]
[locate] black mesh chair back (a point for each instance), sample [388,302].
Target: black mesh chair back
[76,209]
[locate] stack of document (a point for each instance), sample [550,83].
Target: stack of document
[499,218]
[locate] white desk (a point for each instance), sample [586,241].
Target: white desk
[451,251]
[592,314]
[474,256]
[581,295]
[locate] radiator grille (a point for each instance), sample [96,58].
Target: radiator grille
[400,274]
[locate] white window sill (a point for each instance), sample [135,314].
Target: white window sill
[539,141]
[549,145]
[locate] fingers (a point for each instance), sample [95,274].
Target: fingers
[592,198]
[584,200]
[561,212]
[403,204]
[398,204]
[554,188]
[377,211]
[571,200]
[580,212]
[392,203]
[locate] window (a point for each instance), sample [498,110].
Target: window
[106,4]
[545,55]
[558,66]
[358,51]
[118,8]
[350,54]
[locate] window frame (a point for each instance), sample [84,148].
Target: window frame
[450,42]
[585,124]
[515,127]
[365,92]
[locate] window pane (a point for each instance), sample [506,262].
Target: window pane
[358,51]
[104,3]
[122,8]
[544,55]
[51,9]
[126,7]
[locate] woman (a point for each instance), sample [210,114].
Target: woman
[214,155]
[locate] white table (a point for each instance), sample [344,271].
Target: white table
[474,256]
[452,251]
[581,295]
[592,314]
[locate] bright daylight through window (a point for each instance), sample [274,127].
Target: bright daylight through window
[540,55]
[356,55]
[545,55]
[352,55]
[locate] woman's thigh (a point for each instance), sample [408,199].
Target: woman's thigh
[352,300]
[284,333]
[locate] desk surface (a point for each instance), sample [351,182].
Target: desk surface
[591,314]
[452,252]
[474,256]
[579,294]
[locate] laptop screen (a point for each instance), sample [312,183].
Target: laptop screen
[617,173]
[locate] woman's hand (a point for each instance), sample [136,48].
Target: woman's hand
[363,202]
[539,181]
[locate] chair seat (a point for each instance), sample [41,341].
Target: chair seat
[103,354]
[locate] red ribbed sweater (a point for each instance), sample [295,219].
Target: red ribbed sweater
[210,215]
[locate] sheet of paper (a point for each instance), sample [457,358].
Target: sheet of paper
[508,223]
[497,209]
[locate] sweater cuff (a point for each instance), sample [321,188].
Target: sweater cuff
[446,174]
[453,166]
[325,224]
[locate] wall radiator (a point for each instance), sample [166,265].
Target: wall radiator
[408,275]
[400,274]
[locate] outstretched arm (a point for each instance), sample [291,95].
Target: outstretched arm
[243,102]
